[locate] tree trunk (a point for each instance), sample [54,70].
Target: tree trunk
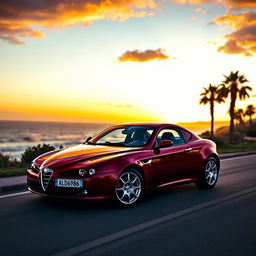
[212,117]
[250,121]
[232,115]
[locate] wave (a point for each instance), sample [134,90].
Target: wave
[16,136]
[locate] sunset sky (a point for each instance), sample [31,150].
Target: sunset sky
[121,60]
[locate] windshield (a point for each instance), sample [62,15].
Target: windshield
[126,136]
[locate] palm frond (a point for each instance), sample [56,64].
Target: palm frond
[243,94]
[204,100]
[223,91]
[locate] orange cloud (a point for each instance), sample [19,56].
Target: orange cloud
[18,17]
[243,39]
[230,4]
[236,21]
[239,4]
[142,56]
[233,47]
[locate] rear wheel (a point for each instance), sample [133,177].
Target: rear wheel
[210,174]
[129,187]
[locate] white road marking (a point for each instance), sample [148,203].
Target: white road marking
[129,231]
[15,194]
[237,157]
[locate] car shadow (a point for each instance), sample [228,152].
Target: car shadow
[159,195]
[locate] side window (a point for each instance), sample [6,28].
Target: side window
[187,135]
[169,134]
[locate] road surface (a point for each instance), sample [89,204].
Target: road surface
[178,220]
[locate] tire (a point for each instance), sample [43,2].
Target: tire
[209,174]
[129,188]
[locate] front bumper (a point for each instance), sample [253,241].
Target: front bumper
[99,187]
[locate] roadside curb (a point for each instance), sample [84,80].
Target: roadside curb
[14,187]
[230,155]
[9,184]
[5,188]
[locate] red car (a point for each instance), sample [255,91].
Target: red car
[124,161]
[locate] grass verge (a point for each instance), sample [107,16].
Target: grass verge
[12,171]
[230,148]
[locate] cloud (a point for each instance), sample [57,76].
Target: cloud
[200,10]
[232,47]
[239,4]
[229,4]
[142,56]
[243,39]
[236,21]
[19,17]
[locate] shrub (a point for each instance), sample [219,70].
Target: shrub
[251,132]
[32,152]
[218,140]
[5,159]
[205,134]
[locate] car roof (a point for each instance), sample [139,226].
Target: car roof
[155,125]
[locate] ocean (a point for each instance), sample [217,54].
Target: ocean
[16,136]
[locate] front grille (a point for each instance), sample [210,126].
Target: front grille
[46,174]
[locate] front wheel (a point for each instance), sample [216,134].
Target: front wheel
[210,174]
[129,186]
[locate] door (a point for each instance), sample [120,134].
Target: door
[169,164]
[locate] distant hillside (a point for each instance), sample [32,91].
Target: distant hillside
[202,126]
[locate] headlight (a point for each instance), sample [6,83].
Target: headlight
[84,172]
[92,172]
[34,168]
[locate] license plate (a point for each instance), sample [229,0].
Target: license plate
[68,183]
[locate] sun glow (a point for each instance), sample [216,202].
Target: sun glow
[75,74]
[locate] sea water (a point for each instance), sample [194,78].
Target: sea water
[16,136]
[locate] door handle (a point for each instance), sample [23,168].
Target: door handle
[187,149]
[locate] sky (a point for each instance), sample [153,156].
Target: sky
[121,60]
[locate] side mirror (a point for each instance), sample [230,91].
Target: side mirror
[165,144]
[87,139]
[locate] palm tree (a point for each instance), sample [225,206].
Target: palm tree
[210,95]
[250,111]
[233,86]
[239,117]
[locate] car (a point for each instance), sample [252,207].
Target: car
[125,161]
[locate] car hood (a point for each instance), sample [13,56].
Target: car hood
[81,153]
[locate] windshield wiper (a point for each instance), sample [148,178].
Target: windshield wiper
[113,143]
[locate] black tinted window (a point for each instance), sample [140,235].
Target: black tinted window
[169,134]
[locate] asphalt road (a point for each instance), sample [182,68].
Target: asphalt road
[178,220]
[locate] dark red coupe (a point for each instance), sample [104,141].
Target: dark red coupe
[124,161]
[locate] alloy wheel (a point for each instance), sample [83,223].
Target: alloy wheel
[128,187]
[211,171]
